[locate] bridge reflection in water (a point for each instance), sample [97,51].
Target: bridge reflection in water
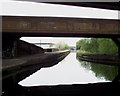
[71,71]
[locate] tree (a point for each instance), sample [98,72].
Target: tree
[101,46]
[62,46]
[107,46]
[97,45]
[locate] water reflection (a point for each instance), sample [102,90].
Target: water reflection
[101,71]
[68,71]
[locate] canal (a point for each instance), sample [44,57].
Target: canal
[71,71]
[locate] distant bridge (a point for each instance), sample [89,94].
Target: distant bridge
[44,43]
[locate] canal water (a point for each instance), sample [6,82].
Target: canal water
[71,71]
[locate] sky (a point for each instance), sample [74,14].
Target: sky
[19,8]
[69,40]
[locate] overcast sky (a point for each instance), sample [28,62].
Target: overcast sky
[19,8]
[68,40]
[69,0]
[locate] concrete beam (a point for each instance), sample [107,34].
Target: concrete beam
[56,26]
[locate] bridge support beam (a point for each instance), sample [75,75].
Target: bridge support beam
[60,27]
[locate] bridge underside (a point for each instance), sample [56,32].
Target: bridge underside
[60,27]
[14,27]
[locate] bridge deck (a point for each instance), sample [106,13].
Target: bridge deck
[56,26]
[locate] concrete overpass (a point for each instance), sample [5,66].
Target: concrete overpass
[59,26]
[14,27]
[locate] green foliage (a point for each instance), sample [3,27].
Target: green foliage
[83,52]
[100,46]
[109,72]
[97,45]
[107,46]
[62,46]
[100,70]
[89,45]
[50,45]
[66,47]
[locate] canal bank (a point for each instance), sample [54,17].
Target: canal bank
[16,69]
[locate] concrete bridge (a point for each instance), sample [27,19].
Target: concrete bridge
[14,27]
[59,26]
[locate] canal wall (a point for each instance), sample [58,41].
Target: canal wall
[13,73]
[22,48]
